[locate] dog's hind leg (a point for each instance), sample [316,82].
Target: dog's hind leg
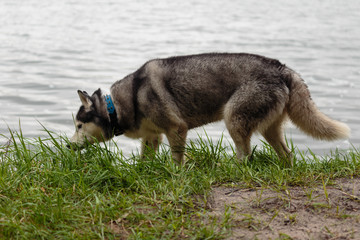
[242,143]
[177,140]
[275,137]
[240,131]
[150,145]
[244,113]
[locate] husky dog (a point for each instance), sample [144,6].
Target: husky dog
[173,95]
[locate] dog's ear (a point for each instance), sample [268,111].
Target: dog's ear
[97,93]
[85,99]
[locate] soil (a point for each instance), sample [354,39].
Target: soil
[312,212]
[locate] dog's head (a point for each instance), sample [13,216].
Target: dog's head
[92,120]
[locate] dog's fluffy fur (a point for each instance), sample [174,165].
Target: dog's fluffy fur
[250,92]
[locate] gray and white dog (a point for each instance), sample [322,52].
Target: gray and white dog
[173,95]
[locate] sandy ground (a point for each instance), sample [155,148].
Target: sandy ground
[292,213]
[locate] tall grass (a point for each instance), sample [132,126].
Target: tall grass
[50,192]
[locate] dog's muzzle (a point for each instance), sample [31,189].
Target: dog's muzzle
[75,146]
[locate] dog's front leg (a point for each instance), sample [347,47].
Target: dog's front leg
[177,140]
[150,145]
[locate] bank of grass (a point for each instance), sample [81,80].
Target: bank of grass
[50,192]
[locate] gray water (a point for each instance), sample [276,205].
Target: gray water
[49,49]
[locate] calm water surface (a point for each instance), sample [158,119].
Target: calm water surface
[49,49]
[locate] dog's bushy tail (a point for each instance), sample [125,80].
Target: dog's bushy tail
[305,115]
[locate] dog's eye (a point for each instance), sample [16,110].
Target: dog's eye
[79,126]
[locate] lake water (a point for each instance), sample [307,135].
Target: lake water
[49,49]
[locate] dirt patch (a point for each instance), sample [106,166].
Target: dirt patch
[317,212]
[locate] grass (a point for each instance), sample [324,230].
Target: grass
[50,192]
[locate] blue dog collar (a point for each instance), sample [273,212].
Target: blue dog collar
[109,104]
